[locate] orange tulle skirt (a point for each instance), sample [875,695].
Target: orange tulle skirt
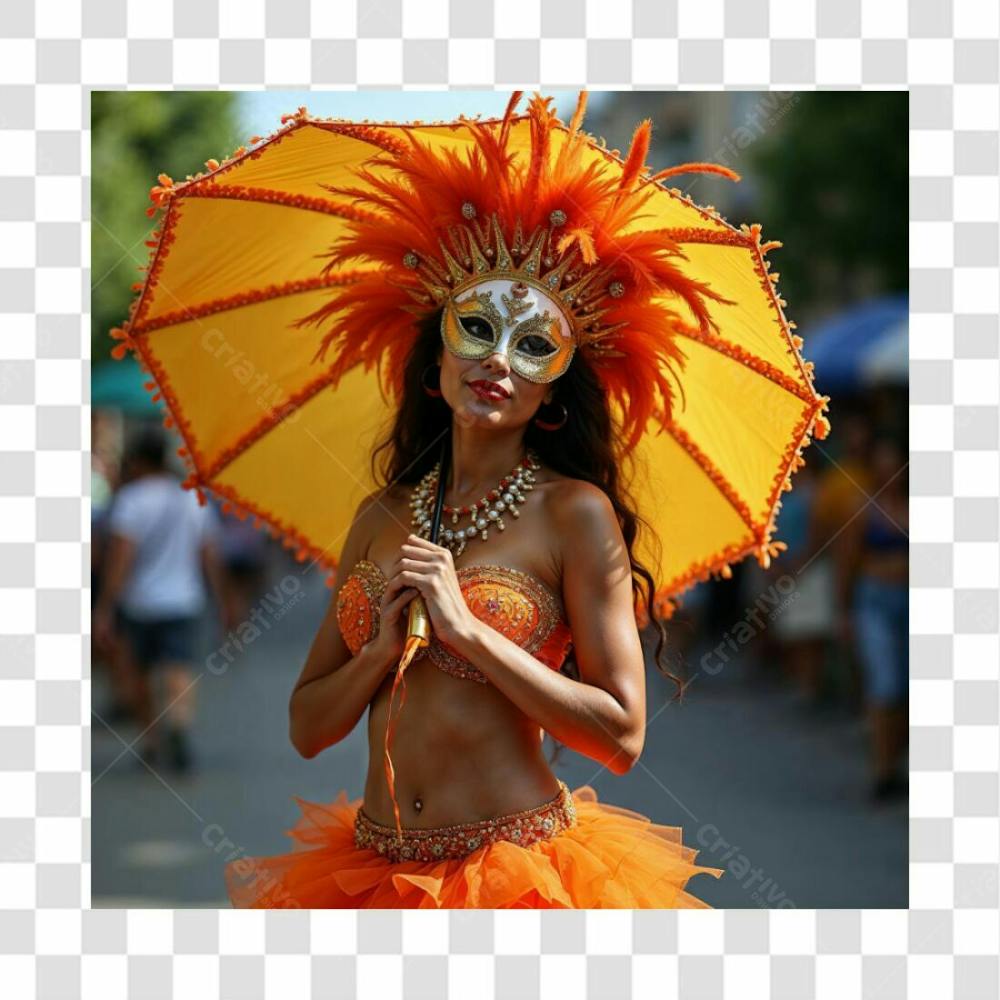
[610,858]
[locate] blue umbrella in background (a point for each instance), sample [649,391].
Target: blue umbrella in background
[888,362]
[863,345]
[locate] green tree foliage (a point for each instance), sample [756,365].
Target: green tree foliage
[137,135]
[833,184]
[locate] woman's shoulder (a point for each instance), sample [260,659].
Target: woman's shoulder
[376,511]
[576,504]
[384,498]
[582,522]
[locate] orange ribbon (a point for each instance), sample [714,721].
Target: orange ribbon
[413,643]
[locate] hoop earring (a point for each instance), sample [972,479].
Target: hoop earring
[547,425]
[429,389]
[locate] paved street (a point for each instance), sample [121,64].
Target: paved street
[755,781]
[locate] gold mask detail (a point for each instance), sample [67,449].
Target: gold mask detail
[527,326]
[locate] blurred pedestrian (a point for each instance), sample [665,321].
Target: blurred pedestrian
[805,627]
[114,655]
[244,552]
[873,579]
[844,485]
[160,542]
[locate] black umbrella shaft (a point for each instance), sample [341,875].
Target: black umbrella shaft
[439,497]
[418,618]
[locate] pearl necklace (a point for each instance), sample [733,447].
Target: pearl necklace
[483,515]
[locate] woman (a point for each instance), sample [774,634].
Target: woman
[534,603]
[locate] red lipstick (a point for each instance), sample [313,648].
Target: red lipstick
[488,390]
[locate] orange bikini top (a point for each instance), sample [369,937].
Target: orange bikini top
[516,604]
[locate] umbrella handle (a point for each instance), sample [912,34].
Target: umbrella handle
[418,621]
[418,618]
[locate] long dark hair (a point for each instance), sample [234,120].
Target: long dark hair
[581,449]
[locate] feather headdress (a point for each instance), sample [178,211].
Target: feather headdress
[433,220]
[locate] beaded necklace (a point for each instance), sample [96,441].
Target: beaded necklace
[484,514]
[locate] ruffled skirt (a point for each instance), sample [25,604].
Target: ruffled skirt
[610,858]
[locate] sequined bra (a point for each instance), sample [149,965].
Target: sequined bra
[514,603]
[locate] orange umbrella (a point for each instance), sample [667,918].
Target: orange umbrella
[286,437]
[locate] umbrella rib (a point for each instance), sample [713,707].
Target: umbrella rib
[761,366]
[759,535]
[273,196]
[250,297]
[715,474]
[748,239]
[292,404]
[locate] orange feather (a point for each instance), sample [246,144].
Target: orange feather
[637,152]
[696,168]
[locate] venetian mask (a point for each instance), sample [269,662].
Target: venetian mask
[513,318]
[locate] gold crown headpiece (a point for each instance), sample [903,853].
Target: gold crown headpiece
[479,251]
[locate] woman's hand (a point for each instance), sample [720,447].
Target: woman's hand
[430,569]
[388,644]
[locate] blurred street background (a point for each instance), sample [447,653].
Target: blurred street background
[785,763]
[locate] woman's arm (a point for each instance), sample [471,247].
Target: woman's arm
[335,688]
[603,714]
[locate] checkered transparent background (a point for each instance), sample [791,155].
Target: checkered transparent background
[52,52]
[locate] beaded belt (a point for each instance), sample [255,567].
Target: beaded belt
[436,843]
